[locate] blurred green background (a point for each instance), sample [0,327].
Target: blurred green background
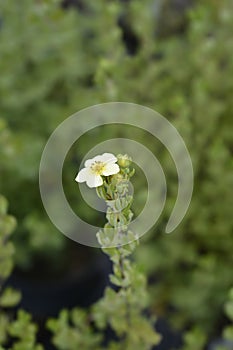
[173,56]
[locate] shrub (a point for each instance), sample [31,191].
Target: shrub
[54,62]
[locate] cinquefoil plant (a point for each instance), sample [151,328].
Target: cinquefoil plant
[122,307]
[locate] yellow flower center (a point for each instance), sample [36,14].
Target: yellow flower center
[97,168]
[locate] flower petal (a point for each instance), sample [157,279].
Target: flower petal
[108,158]
[82,175]
[105,158]
[111,169]
[94,180]
[89,162]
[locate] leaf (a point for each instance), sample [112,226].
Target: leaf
[229,309]
[228,333]
[3,205]
[4,321]
[7,225]
[10,297]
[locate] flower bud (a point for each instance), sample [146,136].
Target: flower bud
[124,160]
[117,178]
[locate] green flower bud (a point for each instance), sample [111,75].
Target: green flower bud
[117,178]
[124,160]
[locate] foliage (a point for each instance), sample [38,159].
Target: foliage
[193,265]
[7,225]
[228,330]
[8,297]
[69,60]
[21,328]
[194,339]
[47,73]
[73,330]
[25,332]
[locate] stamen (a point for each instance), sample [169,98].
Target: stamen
[97,167]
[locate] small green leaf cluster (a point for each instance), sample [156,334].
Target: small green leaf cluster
[74,330]
[194,339]
[8,296]
[7,226]
[228,330]
[21,331]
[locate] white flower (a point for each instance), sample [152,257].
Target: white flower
[97,167]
